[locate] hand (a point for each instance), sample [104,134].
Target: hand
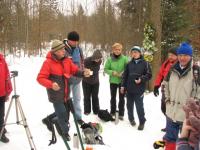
[138,81]
[86,72]
[7,98]
[55,86]
[186,129]
[122,90]
[114,73]
[156,91]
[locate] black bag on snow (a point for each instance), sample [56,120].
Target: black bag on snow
[105,115]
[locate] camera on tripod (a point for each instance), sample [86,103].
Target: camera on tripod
[14,73]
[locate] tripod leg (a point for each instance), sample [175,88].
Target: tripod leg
[75,121]
[6,117]
[28,132]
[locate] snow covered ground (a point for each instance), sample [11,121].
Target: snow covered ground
[35,104]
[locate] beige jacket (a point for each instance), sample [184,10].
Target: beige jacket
[178,88]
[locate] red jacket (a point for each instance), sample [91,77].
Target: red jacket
[5,82]
[56,71]
[163,72]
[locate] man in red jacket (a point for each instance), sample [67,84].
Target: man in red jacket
[5,90]
[172,58]
[54,75]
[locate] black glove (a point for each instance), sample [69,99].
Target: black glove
[156,91]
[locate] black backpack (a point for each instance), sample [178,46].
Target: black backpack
[105,115]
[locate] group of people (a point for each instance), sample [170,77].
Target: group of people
[179,80]
[65,68]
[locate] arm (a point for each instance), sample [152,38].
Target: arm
[8,81]
[107,67]
[147,75]
[43,76]
[125,77]
[160,76]
[182,143]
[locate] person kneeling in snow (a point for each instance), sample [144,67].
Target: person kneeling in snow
[54,75]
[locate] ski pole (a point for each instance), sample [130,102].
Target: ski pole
[66,144]
[76,124]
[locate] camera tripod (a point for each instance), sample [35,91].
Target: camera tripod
[19,111]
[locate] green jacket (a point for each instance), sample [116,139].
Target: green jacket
[115,64]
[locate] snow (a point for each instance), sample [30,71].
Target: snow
[33,98]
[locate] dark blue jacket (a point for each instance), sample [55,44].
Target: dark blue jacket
[136,69]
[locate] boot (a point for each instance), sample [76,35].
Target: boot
[170,146]
[67,136]
[4,139]
[48,123]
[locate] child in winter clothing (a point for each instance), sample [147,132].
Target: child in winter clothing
[54,75]
[180,85]
[172,58]
[91,84]
[135,76]
[5,90]
[114,67]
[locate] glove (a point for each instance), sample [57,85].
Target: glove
[156,91]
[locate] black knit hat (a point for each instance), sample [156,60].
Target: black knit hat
[173,50]
[73,36]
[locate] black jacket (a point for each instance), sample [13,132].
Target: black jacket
[136,69]
[93,66]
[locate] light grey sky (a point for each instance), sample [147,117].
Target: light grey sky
[66,5]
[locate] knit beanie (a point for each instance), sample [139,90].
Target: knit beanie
[57,45]
[73,36]
[96,55]
[136,48]
[173,50]
[185,48]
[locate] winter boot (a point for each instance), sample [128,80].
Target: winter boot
[4,139]
[170,146]
[48,123]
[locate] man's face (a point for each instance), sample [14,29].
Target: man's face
[135,54]
[172,57]
[72,43]
[117,51]
[60,53]
[184,59]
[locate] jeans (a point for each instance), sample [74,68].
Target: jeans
[62,112]
[76,96]
[138,100]
[113,90]
[90,92]
[172,130]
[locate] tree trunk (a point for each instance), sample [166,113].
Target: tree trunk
[155,19]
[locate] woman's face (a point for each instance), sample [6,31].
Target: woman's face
[135,54]
[117,51]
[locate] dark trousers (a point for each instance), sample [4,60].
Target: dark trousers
[91,91]
[138,101]
[2,111]
[62,112]
[172,130]
[113,90]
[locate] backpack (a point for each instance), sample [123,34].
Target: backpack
[105,115]
[91,133]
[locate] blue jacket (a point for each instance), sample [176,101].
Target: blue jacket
[136,69]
